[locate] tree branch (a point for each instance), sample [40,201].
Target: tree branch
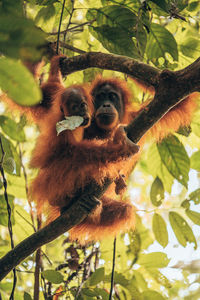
[74,215]
[171,88]
[127,65]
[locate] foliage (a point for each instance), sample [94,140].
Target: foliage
[164,34]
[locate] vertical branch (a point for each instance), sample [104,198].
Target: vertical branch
[9,216]
[37,274]
[70,18]
[38,256]
[38,263]
[113,269]
[26,187]
[61,16]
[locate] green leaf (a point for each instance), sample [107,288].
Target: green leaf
[115,40]
[97,276]
[4,211]
[161,41]
[9,165]
[157,168]
[10,152]
[114,16]
[27,296]
[6,286]
[185,131]
[153,260]
[152,295]
[190,47]
[119,279]
[12,7]
[135,243]
[161,3]
[45,2]
[112,20]
[195,196]
[135,5]
[181,4]
[16,185]
[193,6]
[195,161]
[196,123]
[12,129]
[157,192]
[194,216]
[185,204]
[18,83]
[140,281]
[53,276]
[160,230]
[88,292]
[159,277]
[181,229]
[45,13]
[144,235]
[133,290]
[175,158]
[101,292]
[20,38]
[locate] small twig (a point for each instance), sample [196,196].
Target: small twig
[113,269]
[24,271]
[9,216]
[116,293]
[29,223]
[61,16]
[72,48]
[72,28]
[44,287]
[70,18]
[86,272]
[96,262]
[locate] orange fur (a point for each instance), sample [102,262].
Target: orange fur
[178,116]
[115,217]
[68,163]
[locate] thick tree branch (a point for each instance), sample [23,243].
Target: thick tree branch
[186,80]
[170,87]
[74,215]
[127,65]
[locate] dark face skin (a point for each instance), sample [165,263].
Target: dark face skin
[74,103]
[108,107]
